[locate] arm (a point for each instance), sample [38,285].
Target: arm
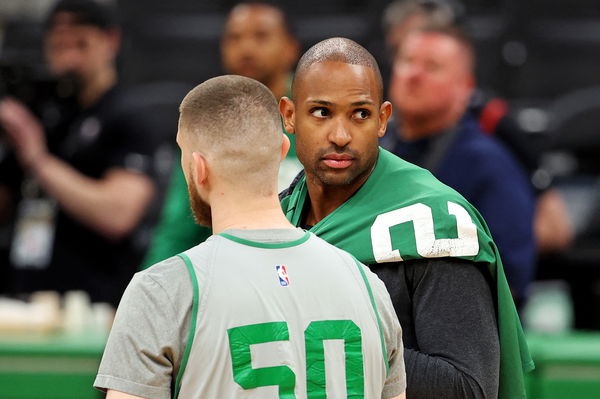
[454,351]
[120,395]
[112,205]
[401,396]
[148,337]
[553,228]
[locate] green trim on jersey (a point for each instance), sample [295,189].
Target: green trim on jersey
[188,345]
[401,213]
[257,244]
[374,305]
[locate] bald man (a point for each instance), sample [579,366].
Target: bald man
[261,301]
[425,241]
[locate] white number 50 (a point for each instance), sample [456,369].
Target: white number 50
[428,246]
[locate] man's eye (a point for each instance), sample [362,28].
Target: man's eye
[319,112]
[361,114]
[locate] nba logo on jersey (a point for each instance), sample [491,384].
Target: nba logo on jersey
[282,274]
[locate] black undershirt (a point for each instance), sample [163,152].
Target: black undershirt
[448,318]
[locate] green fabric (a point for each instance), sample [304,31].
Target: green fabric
[176,231]
[374,305]
[398,190]
[240,340]
[192,332]
[314,336]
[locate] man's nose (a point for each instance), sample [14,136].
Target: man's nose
[414,71]
[68,61]
[247,46]
[340,133]
[406,70]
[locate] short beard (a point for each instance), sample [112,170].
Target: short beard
[200,208]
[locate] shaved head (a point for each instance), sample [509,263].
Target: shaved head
[233,121]
[338,49]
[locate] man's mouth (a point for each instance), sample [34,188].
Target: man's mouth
[337,161]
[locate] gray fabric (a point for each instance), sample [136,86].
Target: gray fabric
[149,335]
[268,235]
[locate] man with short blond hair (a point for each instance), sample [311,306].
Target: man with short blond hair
[257,42]
[264,309]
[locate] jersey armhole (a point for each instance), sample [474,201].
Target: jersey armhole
[188,346]
[374,305]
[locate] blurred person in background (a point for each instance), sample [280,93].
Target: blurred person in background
[432,82]
[89,180]
[257,42]
[553,228]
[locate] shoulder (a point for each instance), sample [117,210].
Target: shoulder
[448,271]
[333,255]
[164,291]
[172,275]
[168,279]
[393,174]
[482,148]
[138,126]
[164,271]
[425,189]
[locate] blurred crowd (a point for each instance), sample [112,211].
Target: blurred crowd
[91,187]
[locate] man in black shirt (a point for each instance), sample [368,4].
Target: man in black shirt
[89,179]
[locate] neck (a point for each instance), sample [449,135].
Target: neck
[231,210]
[417,128]
[414,127]
[94,89]
[279,85]
[325,199]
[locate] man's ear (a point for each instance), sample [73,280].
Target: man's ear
[114,37]
[285,146]
[469,86]
[287,110]
[385,111]
[199,169]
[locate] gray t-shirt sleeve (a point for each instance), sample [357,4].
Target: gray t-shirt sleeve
[395,382]
[149,333]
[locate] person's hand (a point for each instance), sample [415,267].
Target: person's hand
[24,131]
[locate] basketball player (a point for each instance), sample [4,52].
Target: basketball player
[261,309]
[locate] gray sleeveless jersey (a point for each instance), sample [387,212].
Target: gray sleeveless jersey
[280,320]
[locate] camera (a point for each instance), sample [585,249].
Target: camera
[48,97]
